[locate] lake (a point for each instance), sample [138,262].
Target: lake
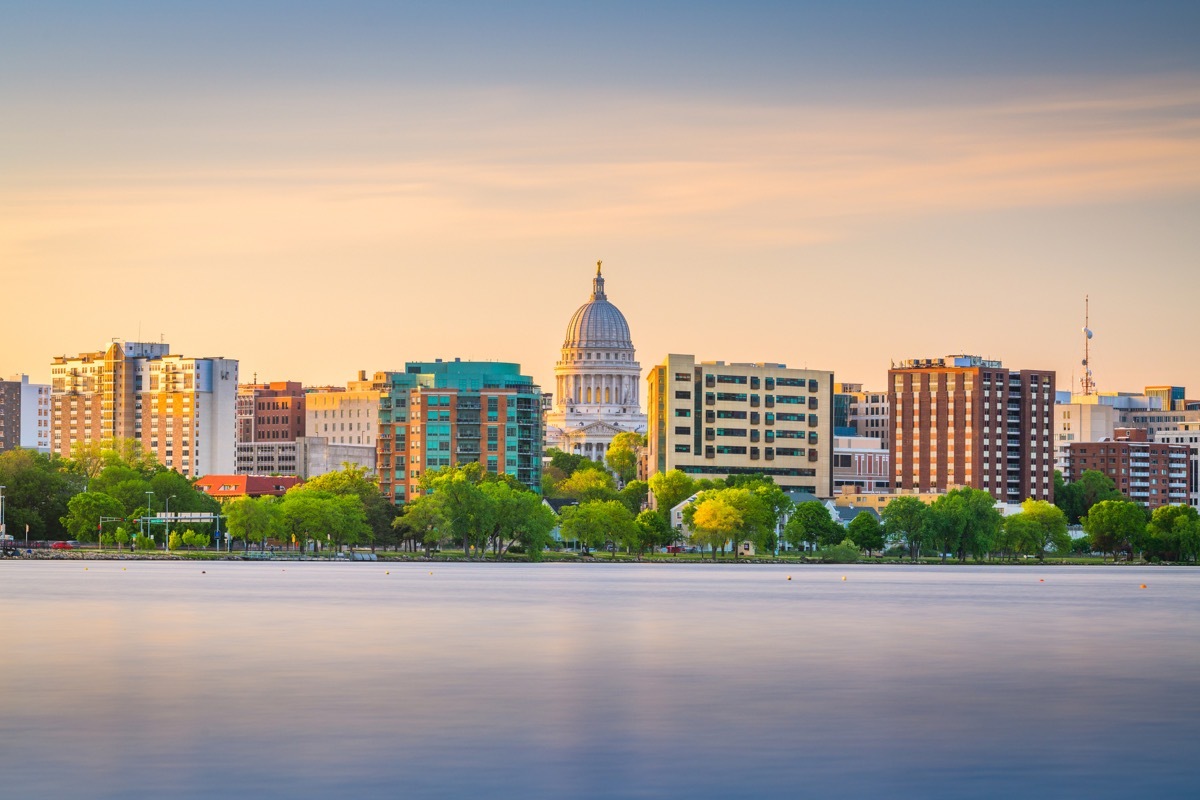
[143,679]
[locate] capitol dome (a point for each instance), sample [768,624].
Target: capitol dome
[598,323]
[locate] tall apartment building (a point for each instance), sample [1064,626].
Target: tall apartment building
[711,420]
[181,409]
[442,413]
[270,418]
[24,414]
[1151,473]
[965,421]
[859,412]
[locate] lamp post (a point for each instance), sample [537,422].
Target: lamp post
[3,530]
[149,522]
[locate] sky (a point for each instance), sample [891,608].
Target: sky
[319,188]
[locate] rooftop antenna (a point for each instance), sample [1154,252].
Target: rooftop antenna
[1086,381]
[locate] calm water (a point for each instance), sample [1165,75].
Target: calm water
[548,681]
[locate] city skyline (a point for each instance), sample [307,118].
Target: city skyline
[294,190]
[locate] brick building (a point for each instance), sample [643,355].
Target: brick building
[966,421]
[1151,473]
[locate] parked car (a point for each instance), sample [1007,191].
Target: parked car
[62,546]
[73,543]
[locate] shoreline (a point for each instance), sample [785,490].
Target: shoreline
[393,557]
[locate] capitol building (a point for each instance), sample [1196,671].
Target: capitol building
[597,391]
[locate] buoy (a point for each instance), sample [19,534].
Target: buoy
[388,572]
[789,577]
[1143,586]
[1041,580]
[843,577]
[431,573]
[203,572]
[85,569]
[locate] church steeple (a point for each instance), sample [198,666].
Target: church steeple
[598,284]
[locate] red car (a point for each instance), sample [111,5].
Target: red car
[61,546]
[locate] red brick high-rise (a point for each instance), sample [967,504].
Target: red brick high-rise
[965,421]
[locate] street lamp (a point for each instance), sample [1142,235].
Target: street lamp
[149,521]
[3,530]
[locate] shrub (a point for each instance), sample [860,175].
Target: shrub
[143,542]
[844,553]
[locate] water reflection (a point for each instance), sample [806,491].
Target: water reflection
[314,680]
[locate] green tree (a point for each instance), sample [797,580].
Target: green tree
[1170,530]
[589,485]
[1113,524]
[810,523]
[517,516]
[253,519]
[866,532]
[1077,498]
[904,521]
[622,455]
[634,495]
[37,490]
[356,480]
[1047,527]
[569,463]
[653,530]
[453,503]
[597,523]
[84,511]
[174,541]
[671,488]
[715,521]
[964,522]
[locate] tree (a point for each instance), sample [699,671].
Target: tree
[622,455]
[716,520]
[634,495]
[84,511]
[1077,498]
[671,488]
[569,463]
[654,530]
[37,490]
[1113,524]
[452,505]
[174,541]
[356,480]
[846,552]
[1047,527]
[810,523]
[588,485]
[866,532]
[964,522]
[517,515]
[904,521]
[1171,531]
[253,519]
[596,523]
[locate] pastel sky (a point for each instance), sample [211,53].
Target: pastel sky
[317,188]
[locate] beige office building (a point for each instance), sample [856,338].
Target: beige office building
[179,408]
[711,420]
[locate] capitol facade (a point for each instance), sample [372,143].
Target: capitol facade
[598,388]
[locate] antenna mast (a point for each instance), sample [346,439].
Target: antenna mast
[1086,382]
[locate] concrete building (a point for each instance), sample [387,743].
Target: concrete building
[712,419]
[861,463]
[443,413]
[597,391]
[965,421]
[859,412]
[1151,473]
[25,414]
[181,409]
[342,425]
